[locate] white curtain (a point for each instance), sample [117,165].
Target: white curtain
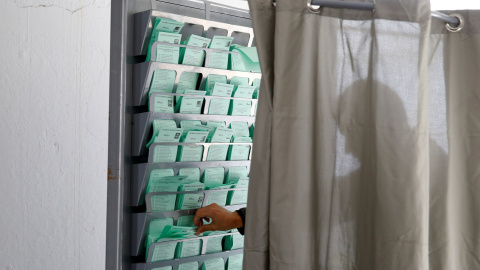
[367,140]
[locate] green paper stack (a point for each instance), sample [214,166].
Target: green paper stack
[167,53]
[192,200]
[214,264]
[188,266]
[188,81]
[235,262]
[186,221]
[213,176]
[159,124]
[219,59]
[218,197]
[166,153]
[214,244]
[163,25]
[190,105]
[240,152]
[193,174]
[234,241]
[239,81]
[155,229]
[192,153]
[163,268]
[188,249]
[164,251]
[163,203]
[242,107]
[239,196]
[163,81]
[220,106]
[235,173]
[212,79]
[194,57]
[240,129]
[219,152]
[244,59]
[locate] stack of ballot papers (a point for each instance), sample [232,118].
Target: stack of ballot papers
[234,241]
[239,81]
[155,229]
[214,244]
[242,107]
[244,59]
[168,251]
[192,153]
[240,152]
[214,264]
[194,57]
[155,176]
[188,81]
[163,25]
[189,105]
[188,248]
[213,176]
[235,262]
[219,152]
[188,266]
[164,268]
[220,106]
[193,174]
[161,103]
[219,59]
[212,79]
[240,129]
[163,203]
[238,196]
[163,81]
[190,200]
[168,53]
[235,173]
[186,221]
[218,197]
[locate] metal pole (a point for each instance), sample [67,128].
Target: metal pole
[453,21]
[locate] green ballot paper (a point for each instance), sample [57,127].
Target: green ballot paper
[162,104]
[193,153]
[219,59]
[214,264]
[240,129]
[235,173]
[218,197]
[244,59]
[212,79]
[238,196]
[243,91]
[188,81]
[239,152]
[178,232]
[234,241]
[193,174]
[188,266]
[167,53]
[213,176]
[192,200]
[162,25]
[235,262]
[163,203]
[242,107]
[216,124]
[190,105]
[186,221]
[163,81]
[188,248]
[166,153]
[214,244]
[220,106]
[159,124]
[156,226]
[239,81]
[219,152]
[194,57]
[163,268]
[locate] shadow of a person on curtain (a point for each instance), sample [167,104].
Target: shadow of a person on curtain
[381,198]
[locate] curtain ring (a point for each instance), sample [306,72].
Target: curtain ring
[311,8]
[459,26]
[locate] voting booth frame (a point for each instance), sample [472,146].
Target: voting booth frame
[129,161]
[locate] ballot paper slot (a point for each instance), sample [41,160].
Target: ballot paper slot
[141,221]
[205,200]
[141,173]
[143,73]
[177,262]
[144,23]
[160,102]
[203,239]
[142,126]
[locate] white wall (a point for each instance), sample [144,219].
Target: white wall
[54,62]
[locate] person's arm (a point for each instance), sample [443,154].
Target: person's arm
[221,218]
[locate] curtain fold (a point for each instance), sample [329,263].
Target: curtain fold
[367,139]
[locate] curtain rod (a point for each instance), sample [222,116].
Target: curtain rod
[453,21]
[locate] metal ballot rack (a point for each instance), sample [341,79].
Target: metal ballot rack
[129,208]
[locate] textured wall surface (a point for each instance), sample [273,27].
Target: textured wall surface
[53,133]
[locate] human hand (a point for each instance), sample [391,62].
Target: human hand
[221,219]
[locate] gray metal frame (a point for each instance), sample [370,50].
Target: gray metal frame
[123,58]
